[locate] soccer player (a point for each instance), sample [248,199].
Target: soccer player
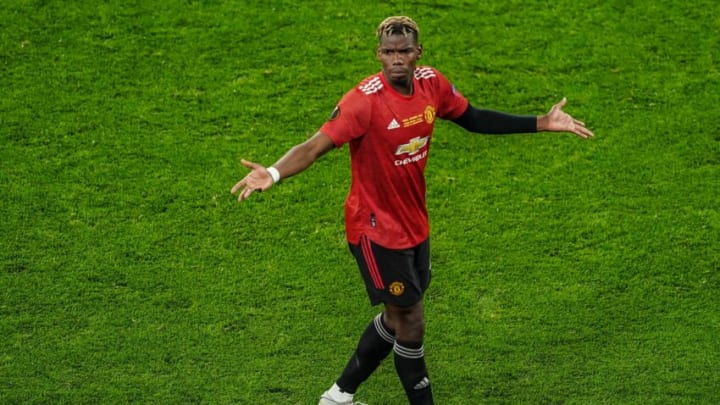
[388,120]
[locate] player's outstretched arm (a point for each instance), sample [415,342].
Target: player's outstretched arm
[297,159]
[560,121]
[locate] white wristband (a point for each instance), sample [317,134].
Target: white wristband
[274,173]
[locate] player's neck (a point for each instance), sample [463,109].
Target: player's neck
[405,88]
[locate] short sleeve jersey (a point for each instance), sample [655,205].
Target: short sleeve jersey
[389,135]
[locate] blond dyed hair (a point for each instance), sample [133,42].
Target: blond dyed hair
[398,25]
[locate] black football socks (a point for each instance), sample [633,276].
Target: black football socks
[410,367]
[374,346]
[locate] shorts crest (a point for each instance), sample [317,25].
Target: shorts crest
[397,288]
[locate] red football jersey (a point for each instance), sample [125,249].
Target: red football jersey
[389,136]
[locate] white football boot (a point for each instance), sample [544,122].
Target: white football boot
[335,396]
[327,401]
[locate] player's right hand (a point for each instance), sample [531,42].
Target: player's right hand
[256,181]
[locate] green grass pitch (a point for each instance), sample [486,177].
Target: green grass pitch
[565,271]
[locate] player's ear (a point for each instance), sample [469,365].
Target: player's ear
[377,52]
[420,51]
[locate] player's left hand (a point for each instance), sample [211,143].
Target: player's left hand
[256,181]
[560,121]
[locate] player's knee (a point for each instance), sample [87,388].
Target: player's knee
[412,330]
[414,320]
[409,323]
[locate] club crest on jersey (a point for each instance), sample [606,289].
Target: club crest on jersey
[429,114]
[413,146]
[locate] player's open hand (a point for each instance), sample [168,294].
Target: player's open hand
[560,121]
[256,181]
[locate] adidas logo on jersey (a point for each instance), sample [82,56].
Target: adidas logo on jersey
[393,124]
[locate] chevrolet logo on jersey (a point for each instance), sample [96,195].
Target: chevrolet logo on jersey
[413,146]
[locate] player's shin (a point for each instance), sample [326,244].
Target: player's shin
[375,344]
[410,367]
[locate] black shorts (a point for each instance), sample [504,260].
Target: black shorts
[395,277]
